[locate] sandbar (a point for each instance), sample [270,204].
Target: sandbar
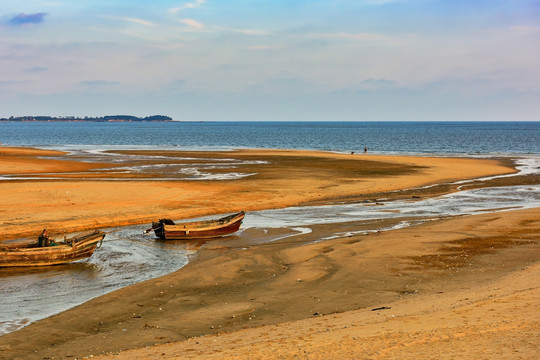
[64,195]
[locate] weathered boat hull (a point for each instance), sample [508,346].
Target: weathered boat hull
[180,234]
[167,230]
[76,248]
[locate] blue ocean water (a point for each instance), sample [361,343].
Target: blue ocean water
[462,138]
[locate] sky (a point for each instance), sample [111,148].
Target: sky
[286,60]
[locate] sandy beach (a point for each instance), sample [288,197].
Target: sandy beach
[89,195]
[446,289]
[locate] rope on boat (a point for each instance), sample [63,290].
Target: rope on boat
[109,232]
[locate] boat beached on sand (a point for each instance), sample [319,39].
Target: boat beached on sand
[166,229]
[71,249]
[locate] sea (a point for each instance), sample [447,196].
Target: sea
[128,256]
[434,138]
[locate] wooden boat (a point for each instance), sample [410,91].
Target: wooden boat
[71,249]
[166,229]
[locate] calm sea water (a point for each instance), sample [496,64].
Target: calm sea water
[466,138]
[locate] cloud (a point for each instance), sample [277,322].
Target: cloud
[13,82]
[138,21]
[362,36]
[179,82]
[98,83]
[372,38]
[265,47]
[130,19]
[194,24]
[525,30]
[369,86]
[37,69]
[282,86]
[378,82]
[23,19]
[191,5]
[252,32]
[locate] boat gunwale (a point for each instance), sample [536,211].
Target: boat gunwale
[213,224]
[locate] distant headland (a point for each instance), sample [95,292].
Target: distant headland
[108,118]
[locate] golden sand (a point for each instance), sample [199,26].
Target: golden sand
[446,289]
[286,178]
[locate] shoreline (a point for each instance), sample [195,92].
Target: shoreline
[282,178]
[289,293]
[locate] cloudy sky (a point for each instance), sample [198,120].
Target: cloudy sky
[362,60]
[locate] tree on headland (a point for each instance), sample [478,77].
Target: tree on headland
[107,118]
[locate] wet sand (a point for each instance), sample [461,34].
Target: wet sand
[445,289]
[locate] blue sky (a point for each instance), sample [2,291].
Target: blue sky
[364,60]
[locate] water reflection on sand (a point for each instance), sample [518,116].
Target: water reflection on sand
[129,256]
[126,257]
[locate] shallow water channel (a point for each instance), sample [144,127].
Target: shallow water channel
[128,256]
